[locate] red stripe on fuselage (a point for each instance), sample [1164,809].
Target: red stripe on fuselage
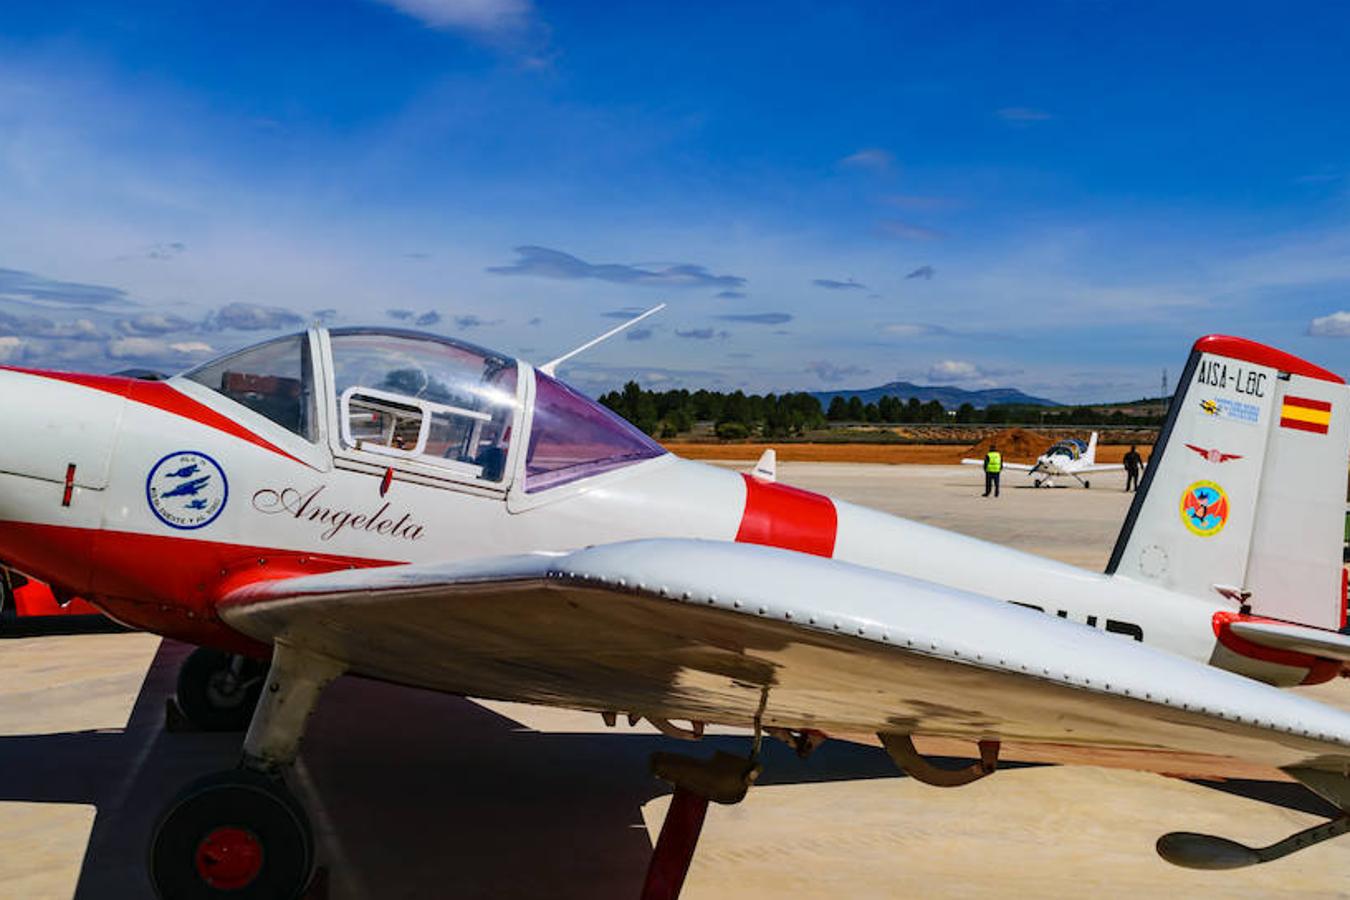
[159,583]
[780,516]
[161,396]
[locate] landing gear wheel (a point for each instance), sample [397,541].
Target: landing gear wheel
[1037,483]
[1087,484]
[218,691]
[237,835]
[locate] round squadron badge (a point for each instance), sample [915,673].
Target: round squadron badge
[187,489]
[1204,508]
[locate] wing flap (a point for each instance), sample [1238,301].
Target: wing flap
[708,630]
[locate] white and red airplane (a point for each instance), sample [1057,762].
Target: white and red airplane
[1069,458]
[415,509]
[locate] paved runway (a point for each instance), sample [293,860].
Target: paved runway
[417,795]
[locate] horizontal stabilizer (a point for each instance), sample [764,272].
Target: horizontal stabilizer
[1298,638]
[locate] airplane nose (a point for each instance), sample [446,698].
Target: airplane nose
[54,464]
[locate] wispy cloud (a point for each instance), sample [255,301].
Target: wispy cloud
[324,316]
[832,285]
[908,230]
[166,250]
[873,158]
[638,334]
[702,334]
[1335,325]
[730,295]
[485,16]
[11,348]
[153,323]
[401,315]
[831,373]
[252,317]
[920,203]
[35,326]
[1023,114]
[19,285]
[155,349]
[471,320]
[924,272]
[429,318]
[770,318]
[543,262]
[914,330]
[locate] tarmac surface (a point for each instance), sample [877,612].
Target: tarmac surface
[415,794]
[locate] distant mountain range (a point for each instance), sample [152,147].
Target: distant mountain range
[950,397]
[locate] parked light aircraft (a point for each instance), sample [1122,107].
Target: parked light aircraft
[1069,458]
[415,509]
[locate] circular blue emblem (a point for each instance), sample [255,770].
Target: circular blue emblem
[187,489]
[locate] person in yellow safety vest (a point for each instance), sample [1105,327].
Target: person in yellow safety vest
[993,464]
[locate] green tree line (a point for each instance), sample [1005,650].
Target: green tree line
[667,414]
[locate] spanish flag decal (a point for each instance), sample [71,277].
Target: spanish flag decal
[1306,415]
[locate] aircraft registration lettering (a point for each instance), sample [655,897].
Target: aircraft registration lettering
[305,505]
[1216,373]
[1113,626]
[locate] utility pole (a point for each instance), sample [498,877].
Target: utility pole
[1165,399]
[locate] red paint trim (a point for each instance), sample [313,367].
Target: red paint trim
[161,395]
[37,599]
[1306,403]
[1252,352]
[1319,670]
[70,484]
[1300,425]
[780,516]
[675,847]
[168,585]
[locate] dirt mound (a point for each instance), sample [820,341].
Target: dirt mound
[1015,444]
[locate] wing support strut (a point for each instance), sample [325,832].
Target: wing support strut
[1206,851]
[916,766]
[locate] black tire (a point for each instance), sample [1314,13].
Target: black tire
[1087,484]
[237,835]
[212,696]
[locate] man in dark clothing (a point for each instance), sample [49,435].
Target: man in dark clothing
[1133,463]
[993,465]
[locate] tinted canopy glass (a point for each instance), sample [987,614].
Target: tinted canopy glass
[274,379]
[572,437]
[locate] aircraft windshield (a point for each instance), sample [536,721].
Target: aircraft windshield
[275,380]
[573,437]
[1072,448]
[415,396]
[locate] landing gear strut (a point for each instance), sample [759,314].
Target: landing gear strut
[240,834]
[217,691]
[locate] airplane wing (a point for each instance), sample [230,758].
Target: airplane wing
[1021,467]
[707,631]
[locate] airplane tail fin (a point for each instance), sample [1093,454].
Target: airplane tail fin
[1245,493]
[1091,455]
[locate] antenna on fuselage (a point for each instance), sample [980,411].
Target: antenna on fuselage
[550,368]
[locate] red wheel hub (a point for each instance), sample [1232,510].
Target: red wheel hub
[229,858]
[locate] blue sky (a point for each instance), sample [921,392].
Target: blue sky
[1056,196]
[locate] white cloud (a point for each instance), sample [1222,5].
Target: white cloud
[869,158]
[11,348]
[153,348]
[1335,325]
[954,370]
[486,16]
